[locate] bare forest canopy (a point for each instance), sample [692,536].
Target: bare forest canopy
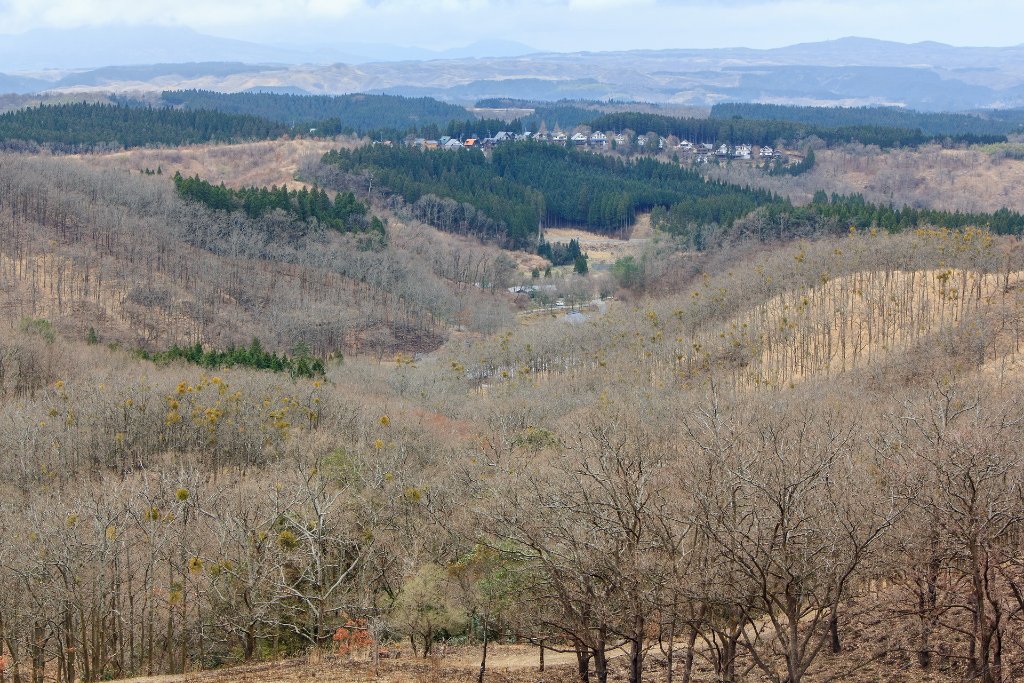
[772,444]
[328,114]
[96,126]
[985,124]
[125,254]
[798,465]
[343,213]
[734,131]
[524,185]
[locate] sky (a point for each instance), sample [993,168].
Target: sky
[550,25]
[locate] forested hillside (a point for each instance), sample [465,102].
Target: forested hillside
[970,180]
[85,126]
[734,131]
[929,123]
[329,114]
[824,215]
[525,184]
[126,255]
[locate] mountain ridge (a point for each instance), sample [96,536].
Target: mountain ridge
[848,71]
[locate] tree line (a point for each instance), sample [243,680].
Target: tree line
[734,131]
[826,215]
[84,126]
[329,114]
[929,123]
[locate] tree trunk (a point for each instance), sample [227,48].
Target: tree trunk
[691,649]
[670,654]
[483,659]
[583,662]
[600,661]
[541,656]
[833,629]
[38,658]
[636,660]
[69,665]
[250,643]
[928,600]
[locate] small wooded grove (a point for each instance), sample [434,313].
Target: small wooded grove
[343,213]
[329,114]
[792,465]
[997,123]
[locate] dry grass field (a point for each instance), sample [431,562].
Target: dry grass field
[602,249]
[978,179]
[274,162]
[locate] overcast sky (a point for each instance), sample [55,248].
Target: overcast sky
[558,25]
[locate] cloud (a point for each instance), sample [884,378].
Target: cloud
[561,25]
[28,14]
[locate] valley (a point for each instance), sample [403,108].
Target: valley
[382,388]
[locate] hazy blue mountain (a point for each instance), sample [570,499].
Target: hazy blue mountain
[122,45]
[850,71]
[21,85]
[362,53]
[134,45]
[114,74]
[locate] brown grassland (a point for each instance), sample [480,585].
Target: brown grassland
[976,179]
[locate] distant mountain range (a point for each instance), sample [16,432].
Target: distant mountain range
[851,71]
[104,46]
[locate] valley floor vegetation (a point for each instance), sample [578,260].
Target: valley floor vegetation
[735,480]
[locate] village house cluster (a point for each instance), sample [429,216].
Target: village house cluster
[697,152]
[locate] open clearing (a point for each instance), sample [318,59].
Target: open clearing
[273,162]
[603,249]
